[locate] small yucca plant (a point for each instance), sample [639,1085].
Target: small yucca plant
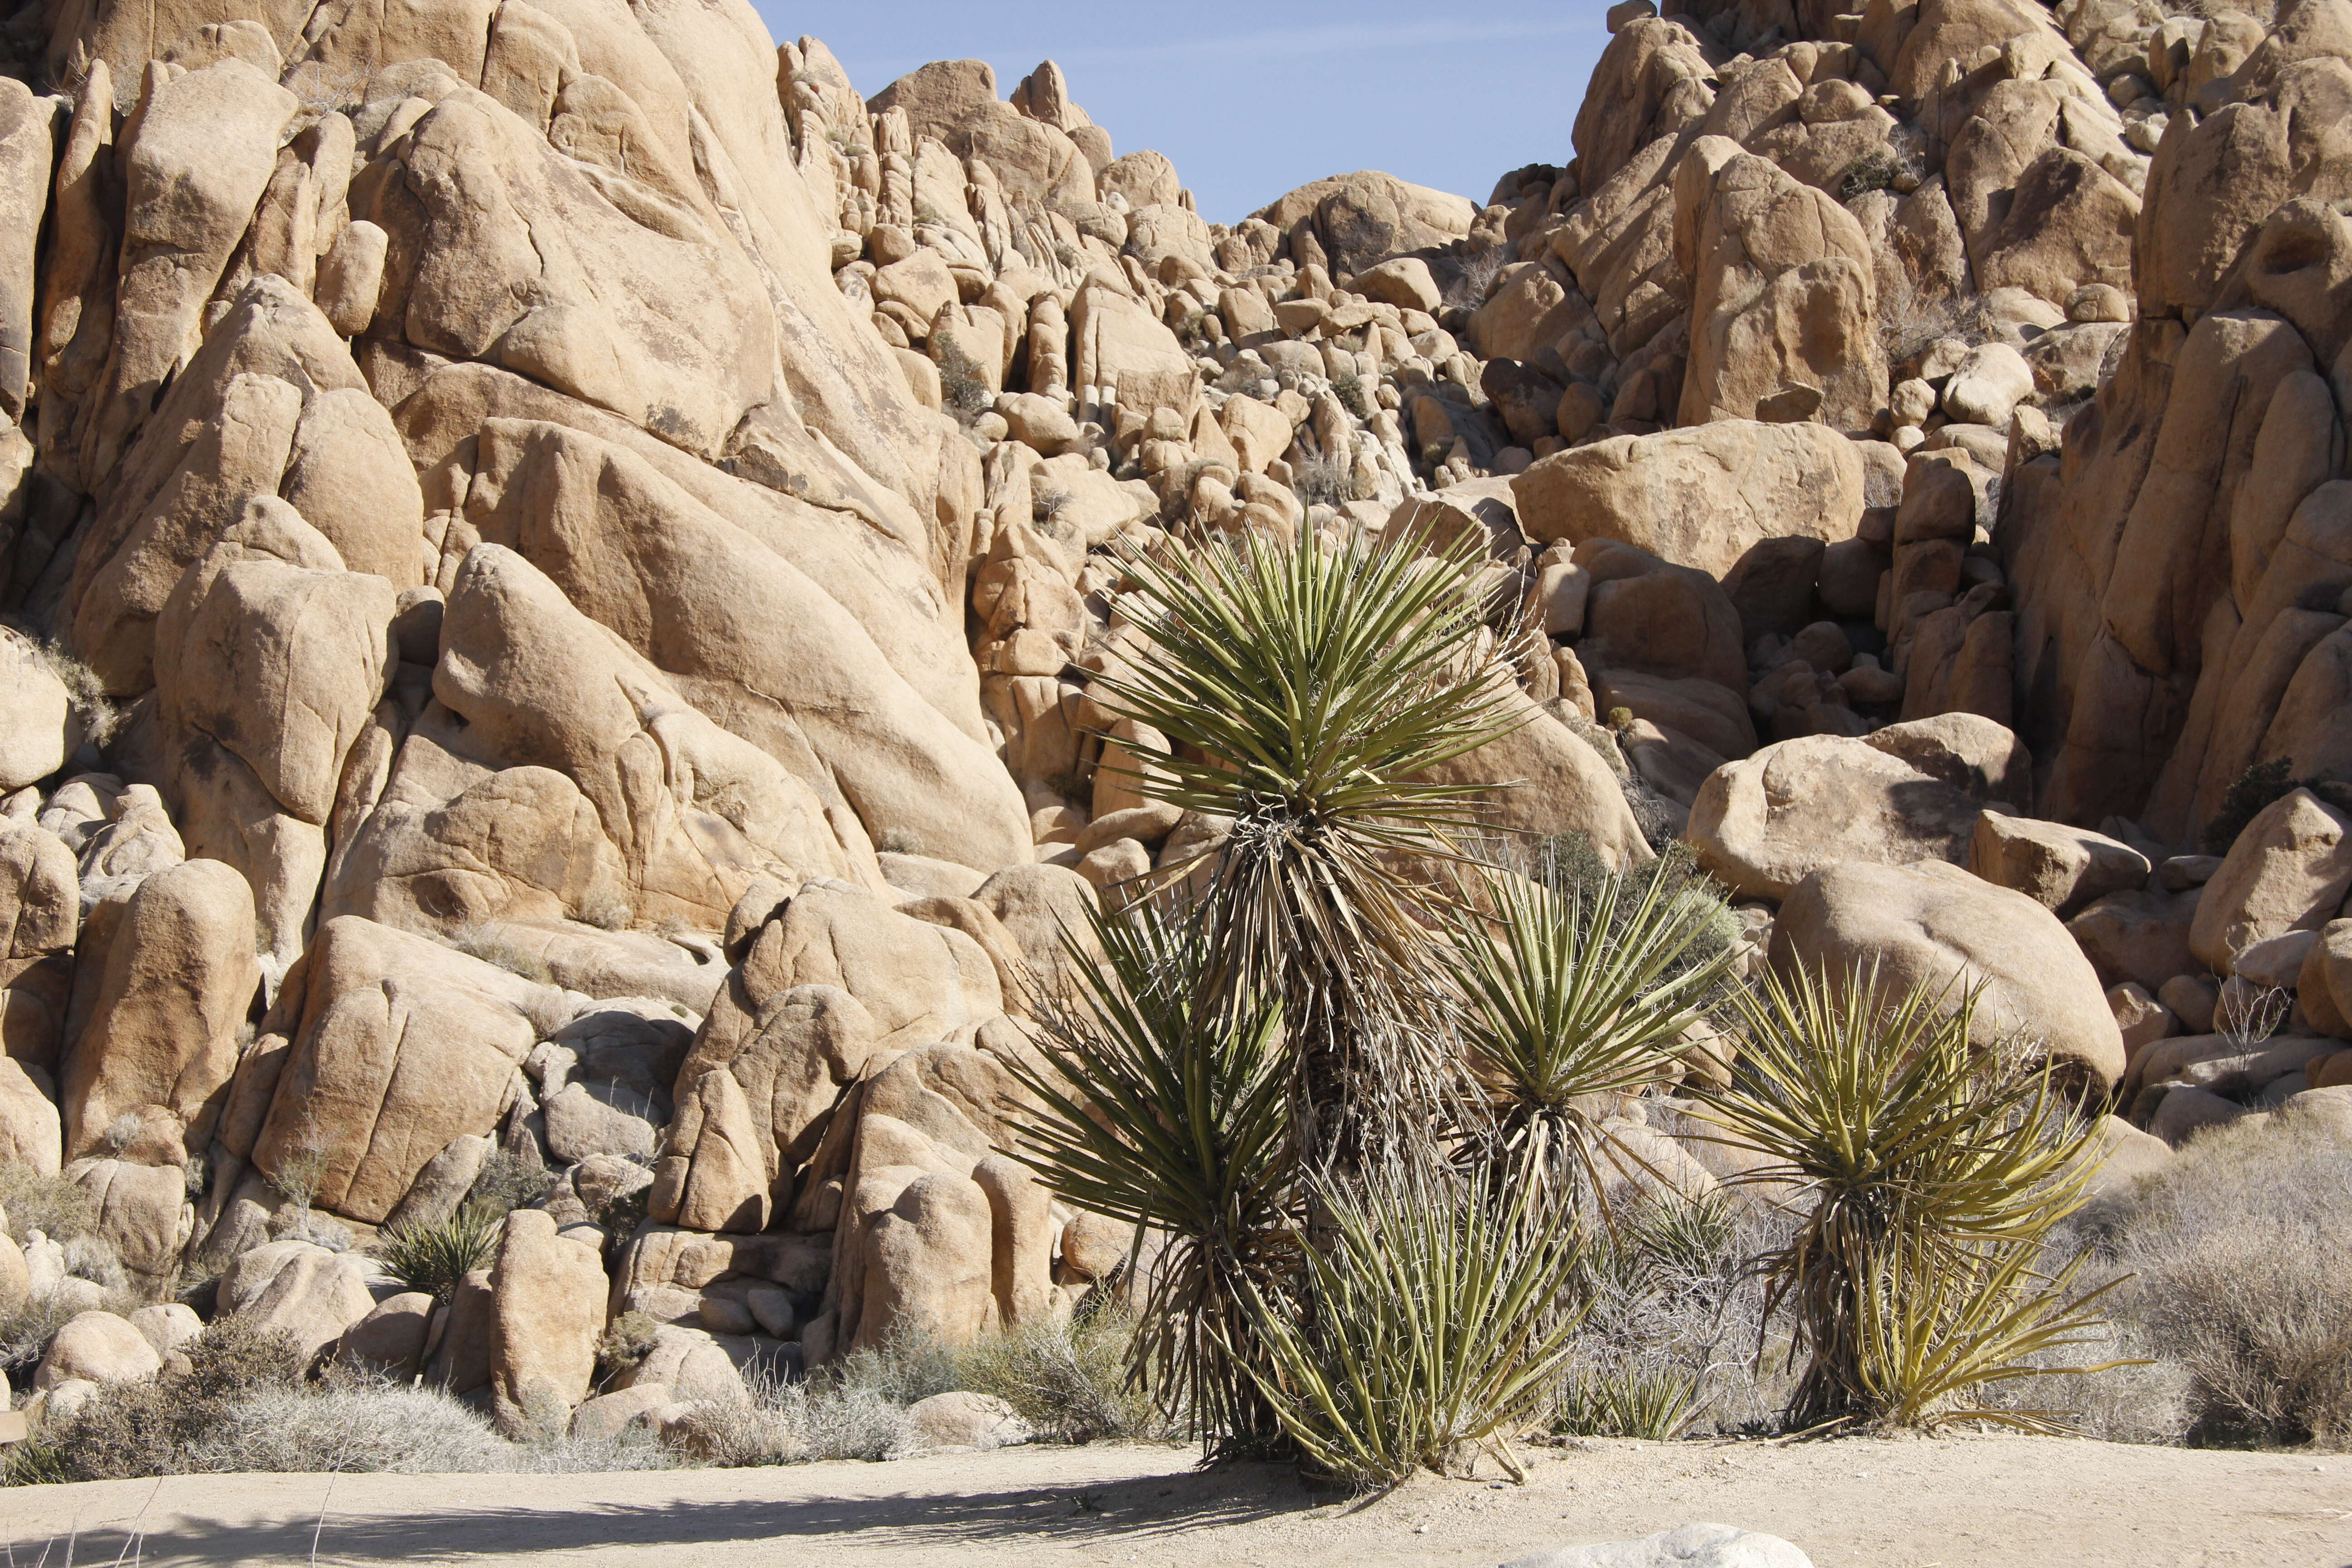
[1930,1175]
[1433,1320]
[435,1255]
[1572,998]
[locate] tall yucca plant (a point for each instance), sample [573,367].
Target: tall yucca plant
[1306,688]
[1158,1109]
[1931,1175]
[1573,996]
[1441,1312]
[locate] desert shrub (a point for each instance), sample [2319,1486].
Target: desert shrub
[796,1424]
[486,944]
[160,1428]
[2241,1274]
[961,389]
[1932,1176]
[243,1405]
[1475,277]
[608,914]
[508,1182]
[1324,481]
[1046,502]
[26,1333]
[2141,1397]
[898,841]
[1671,1321]
[348,1424]
[54,1205]
[92,708]
[2262,785]
[1873,168]
[435,1255]
[624,1212]
[1909,321]
[905,1367]
[1430,1325]
[626,1343]
[1068,1380]
[1350,390]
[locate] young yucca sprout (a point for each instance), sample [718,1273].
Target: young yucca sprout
[1929,1173]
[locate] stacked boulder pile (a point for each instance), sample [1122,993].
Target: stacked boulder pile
[557,562]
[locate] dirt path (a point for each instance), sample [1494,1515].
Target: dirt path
[1974,1502]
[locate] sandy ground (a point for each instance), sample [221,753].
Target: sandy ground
[1967,1502]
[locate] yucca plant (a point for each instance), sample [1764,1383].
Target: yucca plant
[1629,1399]
[435,1255]
[1305,689]
[1572,997]
[1158,1107]
[1438,1314]
[1930,1173]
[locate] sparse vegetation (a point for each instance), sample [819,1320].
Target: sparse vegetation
[963,389]
[1324,482]
[626,1343]
[245,1407]
[1876,169]
[508,1182]
[2260,786]
[1046,502]
[488,944]
[1067,1379]
[898,841]
[55,1205]
[93,709]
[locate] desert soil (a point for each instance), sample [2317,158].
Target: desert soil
[1966,1502]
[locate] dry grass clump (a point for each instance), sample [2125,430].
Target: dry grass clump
[2243,1276]
[796,1424]
[1067,1379]
[92,708]
[243,1405]
[59,1208]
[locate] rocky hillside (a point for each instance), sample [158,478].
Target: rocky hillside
[556,559]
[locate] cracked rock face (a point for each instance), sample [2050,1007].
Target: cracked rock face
[558,569]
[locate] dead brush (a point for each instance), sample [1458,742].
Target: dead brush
[2241,1274]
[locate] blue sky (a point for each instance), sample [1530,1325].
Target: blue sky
[1252,100]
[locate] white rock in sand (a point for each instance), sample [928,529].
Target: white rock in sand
[1691,1546]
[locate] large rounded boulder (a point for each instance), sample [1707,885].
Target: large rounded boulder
[1933,924]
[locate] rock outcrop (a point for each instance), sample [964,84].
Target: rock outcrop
[564,575]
